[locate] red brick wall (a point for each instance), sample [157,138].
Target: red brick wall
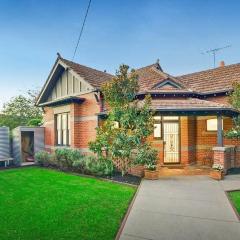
[83,123]
[206,140]
[196,142]
[188,139]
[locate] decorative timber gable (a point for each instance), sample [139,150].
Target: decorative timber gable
[67,85]
[63,82]
[167,84]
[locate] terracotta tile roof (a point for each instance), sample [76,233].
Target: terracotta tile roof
[213,80]
[95,77]
[151,76]
[187,103]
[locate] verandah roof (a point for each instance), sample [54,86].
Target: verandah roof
[193,106]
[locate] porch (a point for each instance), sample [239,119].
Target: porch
[189,136]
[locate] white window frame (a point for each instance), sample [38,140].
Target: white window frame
[63,129]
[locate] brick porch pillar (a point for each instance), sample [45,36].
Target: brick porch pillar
[224,156]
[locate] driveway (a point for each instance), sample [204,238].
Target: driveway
[183,208]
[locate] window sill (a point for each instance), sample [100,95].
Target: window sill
[63,146]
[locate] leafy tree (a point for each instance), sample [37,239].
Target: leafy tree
[21,110]
[234,99]
[128,124]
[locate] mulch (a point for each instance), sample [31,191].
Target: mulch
[233,171]
[129,179]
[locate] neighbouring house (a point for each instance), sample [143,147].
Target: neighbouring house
[191,111]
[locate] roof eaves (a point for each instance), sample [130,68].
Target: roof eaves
[70,99]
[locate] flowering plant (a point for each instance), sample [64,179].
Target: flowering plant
[217,166]
[150,166]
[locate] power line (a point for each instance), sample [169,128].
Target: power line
[81,31]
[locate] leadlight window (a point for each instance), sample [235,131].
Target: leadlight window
[212,124]
[157,133]
[158,121]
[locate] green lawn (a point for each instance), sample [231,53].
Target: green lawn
[235,198]
[37,203]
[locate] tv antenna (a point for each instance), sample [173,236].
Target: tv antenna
[214,51]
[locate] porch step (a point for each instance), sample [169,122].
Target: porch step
[185,171]
[175,166]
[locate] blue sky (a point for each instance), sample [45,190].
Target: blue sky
[134,32]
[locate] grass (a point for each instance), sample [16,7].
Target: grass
[235,198]
[38,203]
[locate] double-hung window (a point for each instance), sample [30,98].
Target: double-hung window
[63,133]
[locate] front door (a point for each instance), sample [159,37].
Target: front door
[171,142]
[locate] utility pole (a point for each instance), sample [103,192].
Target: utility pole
[214,51]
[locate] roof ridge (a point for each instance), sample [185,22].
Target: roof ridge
[149,66]
[178,81]
[81,65]
[208,70]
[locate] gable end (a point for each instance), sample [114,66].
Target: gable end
[62,82]
[167,84]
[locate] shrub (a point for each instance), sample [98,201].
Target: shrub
[73,159]
[147,156]
[79,165]
[98,167]
[43,158]
[66,156]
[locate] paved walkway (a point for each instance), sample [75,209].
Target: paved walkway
[183,208]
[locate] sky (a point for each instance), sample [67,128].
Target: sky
[134,32]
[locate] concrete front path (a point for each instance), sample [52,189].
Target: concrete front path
[183,208]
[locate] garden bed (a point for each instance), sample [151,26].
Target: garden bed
[130,179]
[40,203]
[233,171]
[115,177]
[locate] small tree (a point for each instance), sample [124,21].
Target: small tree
[128,124]
[234,99]
[21,110]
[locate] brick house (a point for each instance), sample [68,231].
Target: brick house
[191,111]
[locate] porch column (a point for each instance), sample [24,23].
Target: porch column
[219,131]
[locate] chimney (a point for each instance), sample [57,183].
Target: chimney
[222,64]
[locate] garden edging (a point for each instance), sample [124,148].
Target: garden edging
[127,213]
